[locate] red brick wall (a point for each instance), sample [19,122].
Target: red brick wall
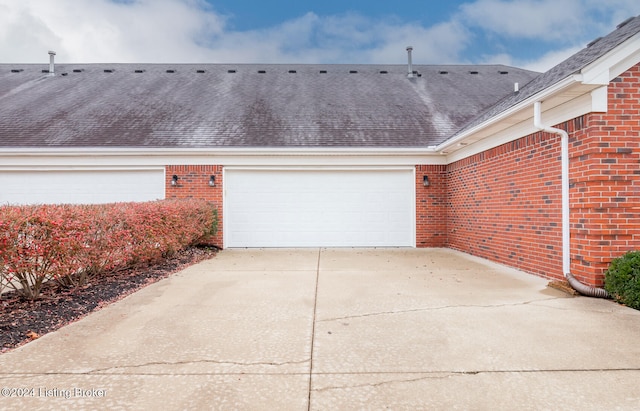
[505,205]
[605,197]
[193,182]
[431,206]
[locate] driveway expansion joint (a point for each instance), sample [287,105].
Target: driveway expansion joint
[313,330]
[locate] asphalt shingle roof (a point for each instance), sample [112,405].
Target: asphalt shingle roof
[256,105]
[143,105]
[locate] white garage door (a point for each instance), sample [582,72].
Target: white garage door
[319,208]
[80,186]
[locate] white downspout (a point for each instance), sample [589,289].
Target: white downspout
[566,233]
[564,150]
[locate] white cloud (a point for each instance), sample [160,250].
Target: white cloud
[541,64]
[162,31]
[548,60]
[101,30]
[548,20]
[544,19]
[562,27]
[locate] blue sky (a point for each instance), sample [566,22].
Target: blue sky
[533,34]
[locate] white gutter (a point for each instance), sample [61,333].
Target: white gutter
[223,151]
[548,92]
[566,233]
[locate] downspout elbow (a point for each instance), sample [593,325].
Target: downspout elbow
[585,289]
[537,122]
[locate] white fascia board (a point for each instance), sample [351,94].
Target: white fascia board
[590,96]
[596,101]
[17,157]
[614,63]
[71,167]
[505,115]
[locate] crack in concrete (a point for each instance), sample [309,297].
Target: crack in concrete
[440,375]
[192,362]
[381,383]
[443,307]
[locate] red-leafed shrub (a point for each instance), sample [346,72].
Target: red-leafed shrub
[74,243]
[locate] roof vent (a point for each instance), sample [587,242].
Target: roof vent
[78,70]
[503,72]
[443,72]
[516,87]
[384,72]
[109,70]
[292,71]
[594,42]
[17,70]
[262,71]
[473,72]
[323,71]
[624,23]
[231,71]
[353,71]
[52,62]
[65,74]
[139,71]
[410,68]
[45,71]
[200,71]
[171,71]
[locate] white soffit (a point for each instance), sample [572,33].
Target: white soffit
[586,103]
[570,98]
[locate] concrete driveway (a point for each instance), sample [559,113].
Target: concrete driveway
[337,329]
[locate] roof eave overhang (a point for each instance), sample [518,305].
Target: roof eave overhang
[218,151]
[558,94]
[586,89]
[21,157]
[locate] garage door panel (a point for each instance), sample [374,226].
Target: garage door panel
[309,208]
[80,186]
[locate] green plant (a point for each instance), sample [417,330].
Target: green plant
[622,279]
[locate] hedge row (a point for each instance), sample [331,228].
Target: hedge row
[73,244]
[622,279]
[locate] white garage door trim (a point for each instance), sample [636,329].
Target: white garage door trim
[381,213]
[81,185]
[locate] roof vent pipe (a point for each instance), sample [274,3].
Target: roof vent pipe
[516,87]
[51,63]
[410,72]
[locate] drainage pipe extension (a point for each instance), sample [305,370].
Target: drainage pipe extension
[566,244]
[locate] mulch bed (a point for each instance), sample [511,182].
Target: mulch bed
[22,321]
